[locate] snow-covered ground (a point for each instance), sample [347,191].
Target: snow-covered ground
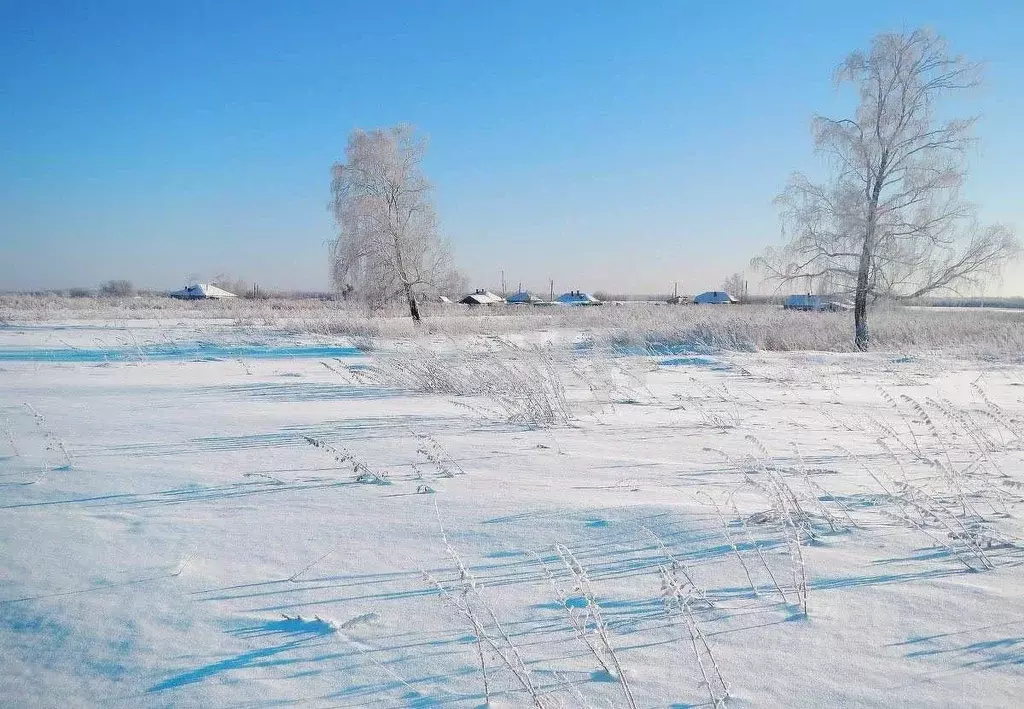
[196,515]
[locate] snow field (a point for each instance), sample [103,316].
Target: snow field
[259,532]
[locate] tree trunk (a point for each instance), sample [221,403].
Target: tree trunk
[860,301]
[413,308]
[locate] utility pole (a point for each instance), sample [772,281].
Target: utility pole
[552,298]
[503,293]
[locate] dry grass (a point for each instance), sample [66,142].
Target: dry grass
[637,326]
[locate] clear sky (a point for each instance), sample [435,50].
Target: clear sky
[608,145]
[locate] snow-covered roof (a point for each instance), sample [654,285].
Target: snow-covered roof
[482,297]
[714,296]
[202,290]
[576,297]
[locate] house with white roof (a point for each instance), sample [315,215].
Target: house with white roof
[201,291]
[482,297]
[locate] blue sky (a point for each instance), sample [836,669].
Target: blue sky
[607,145]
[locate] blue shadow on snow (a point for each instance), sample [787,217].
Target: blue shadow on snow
[185,352]
[300,631]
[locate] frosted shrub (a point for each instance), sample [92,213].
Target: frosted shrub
[523,385]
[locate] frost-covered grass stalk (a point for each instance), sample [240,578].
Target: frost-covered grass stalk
[997,415]
[438,456]
[977,478]
[140,354]
[600,627]
[727,414]
[678,601]
[957,489]
[915,507]
[294,577]
[461,601]
[343,456]
[678,568]
[794,542]
[785,509]
[797,525]
[752,541]
[521,385]
[9,435]
[579,618]
[730,540]
[819,495]
[53,442]
[468,601]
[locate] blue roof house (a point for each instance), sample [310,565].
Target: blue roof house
[799,301]
[714,297]
[576,297]
[521,297]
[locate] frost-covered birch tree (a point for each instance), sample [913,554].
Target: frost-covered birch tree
[388,247]
[736,285]
[890,220]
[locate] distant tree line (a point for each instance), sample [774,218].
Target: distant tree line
[118,289]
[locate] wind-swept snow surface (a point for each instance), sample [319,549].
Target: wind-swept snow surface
[198,519]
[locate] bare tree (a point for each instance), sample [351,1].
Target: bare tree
[237,286]
[388,245]
[890,221]
[735,285]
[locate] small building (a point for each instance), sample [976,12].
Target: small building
[482,297]
[201,291]
[521,297]
[799,301]
[678,300]
[576,297]
[714,297]
[444,300]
